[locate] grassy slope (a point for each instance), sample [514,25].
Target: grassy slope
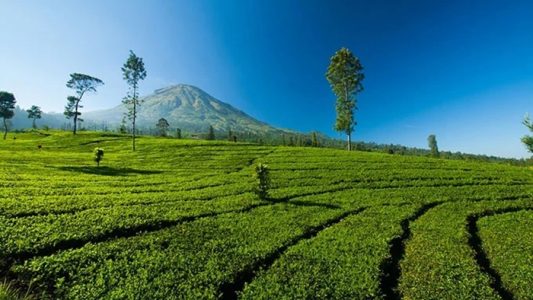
[54,200]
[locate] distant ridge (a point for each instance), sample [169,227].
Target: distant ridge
[186,107]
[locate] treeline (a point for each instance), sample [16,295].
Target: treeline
[313,139]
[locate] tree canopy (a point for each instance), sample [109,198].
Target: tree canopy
[34,113]
[7,107]
[81,84]
[528,139]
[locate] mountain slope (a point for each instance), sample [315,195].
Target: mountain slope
[186,107]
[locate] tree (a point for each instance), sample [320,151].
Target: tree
[133,71]
[211,133]
[178,133]
[7,107]
[82,84]
[432,143]
[162,125]
[528,139]
[345,76]
[34,113]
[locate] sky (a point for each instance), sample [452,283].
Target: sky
[462,70]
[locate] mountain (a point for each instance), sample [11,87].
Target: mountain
[186,107]
[20,119]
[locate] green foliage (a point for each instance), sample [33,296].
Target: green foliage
[432,144]
[81,84]
[71,108]
[528,139]
[162,125]
[98,155]
[181,218]
[439,262]
[133,71]
[508,241]
[8,292]
[7,106]
[343,261]
[345,75]
[262,175]
[188,261]
[34,113]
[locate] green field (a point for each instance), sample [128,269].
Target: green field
[178,219]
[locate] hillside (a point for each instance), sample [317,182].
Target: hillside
[186,107]
[179,219]
[183,106]
[20,120]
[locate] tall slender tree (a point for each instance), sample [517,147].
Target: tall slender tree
[7,107]
[34,113]
[82,84]
[133,71]
[528,139]
[345,75]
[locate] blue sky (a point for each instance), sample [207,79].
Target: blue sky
[462,70]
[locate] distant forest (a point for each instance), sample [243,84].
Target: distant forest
[21,122]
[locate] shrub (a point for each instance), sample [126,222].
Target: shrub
[263,181]
[98,155]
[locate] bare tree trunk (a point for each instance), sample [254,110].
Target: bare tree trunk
[5,128]
[75,121]
[349,125]
[76,112]
[33,124]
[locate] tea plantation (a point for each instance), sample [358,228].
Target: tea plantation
[178,219]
